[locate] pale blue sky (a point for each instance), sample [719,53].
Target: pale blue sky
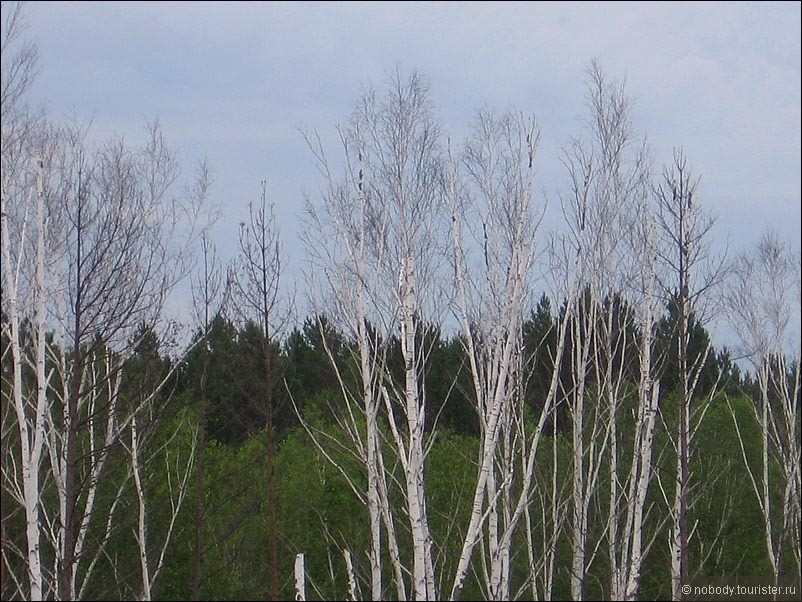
[235,81]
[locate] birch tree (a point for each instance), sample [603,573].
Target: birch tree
[494,233]
[178,470]
[399,138]
[25,291]
[610,262]
[763,299]
[27,149]
[384,218]
[344,271]
[89,252]
[595,212]
[629,545]
[627,271]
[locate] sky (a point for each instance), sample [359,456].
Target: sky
[236,83]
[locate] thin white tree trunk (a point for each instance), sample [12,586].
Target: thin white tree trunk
[613,542]
[674,535]
[581,469]
[646,437]
[300,578]
[494,404]
[627,581]
[493,536]
[765,491]
[641,472]
[31,427]
[370,401]
[349,569]
[489,443]
[142,535]
[422,569]
[177,487]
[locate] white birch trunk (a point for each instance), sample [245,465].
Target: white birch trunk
[490,297]
[22,134]
[30,424]
[422,569]
[581,469]
[141,533]
[349,569]
[674,534]
[765,491]
[300,578]
[177,487]
[637,505]
[371,404]
[640,474]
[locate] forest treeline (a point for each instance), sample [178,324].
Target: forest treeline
[475,407]
[318,513]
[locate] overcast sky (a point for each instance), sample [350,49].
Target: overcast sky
[234,82]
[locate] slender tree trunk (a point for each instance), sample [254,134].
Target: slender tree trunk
[31,428]
[142,535]
[349,570]
[686,255]
[648,396]
[613,535]
[683,442]
[371,405]
[766,504]
[300,578]
[422,568]
[20,134]
[581,469]
[684,400]
[641,479]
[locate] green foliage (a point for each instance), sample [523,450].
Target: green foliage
[217,393]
